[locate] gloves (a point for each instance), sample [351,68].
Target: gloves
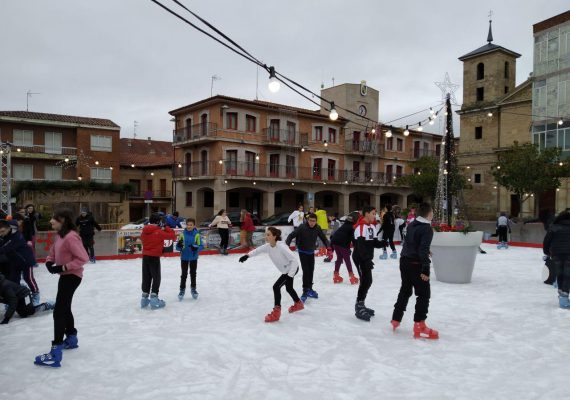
[243,258]
[180,243]
[55,269]
[195,247]
[425,269]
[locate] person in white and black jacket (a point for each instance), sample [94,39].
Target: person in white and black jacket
[414,270]
[365,241]
[286,262]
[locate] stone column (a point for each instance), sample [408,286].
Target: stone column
[268,204]
[344,203]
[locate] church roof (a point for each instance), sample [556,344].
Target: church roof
[488,48]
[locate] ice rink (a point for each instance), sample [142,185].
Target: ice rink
[501,337]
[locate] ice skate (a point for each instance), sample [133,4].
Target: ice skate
[329,256]
[353,279]
[505,245]
[370,311]
[298,306]
[71,342]
[564,301]
[394,254]
[35,298]
[51,359]
[274,315]
[421,330]
[337,278]
[92,259]
[155,302]
[395,324]
[361,312]
[304,297]
[384,255]
[312,294]
[181,294]
[194,293]
[144,300]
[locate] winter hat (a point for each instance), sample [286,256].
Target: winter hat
[84,210]
[154,219]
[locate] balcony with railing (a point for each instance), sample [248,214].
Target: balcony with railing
[419,153]
[151,194]
[361,147]
[198,170]
[196,132]
[285,137]
[41,151]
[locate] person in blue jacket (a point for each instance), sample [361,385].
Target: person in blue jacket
[173,220]
[189,245]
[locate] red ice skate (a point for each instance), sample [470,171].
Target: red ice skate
[329,256]
[337,278]
[298,306]
[274,315]
[353,279]
[422,331]
[395,324]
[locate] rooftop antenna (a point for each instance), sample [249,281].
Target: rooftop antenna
[135,124]
[28,95]
[214,78]
[490,34]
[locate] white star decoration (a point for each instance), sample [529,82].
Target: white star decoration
[446,88]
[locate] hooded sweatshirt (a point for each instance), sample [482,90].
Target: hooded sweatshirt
[69,251]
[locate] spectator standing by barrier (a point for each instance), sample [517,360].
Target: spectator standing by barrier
[87,225]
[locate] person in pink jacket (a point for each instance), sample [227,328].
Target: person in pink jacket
[66,258]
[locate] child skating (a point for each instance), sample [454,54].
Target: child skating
[189,245]
[388,230]
[286,262]
[503,226]
[340,242]
[414,271]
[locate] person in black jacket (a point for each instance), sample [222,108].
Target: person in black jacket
[414,270]
[87,225]
[20,258]
[305,239]
[341,241]
[14,296]
[388,229]
[557,246]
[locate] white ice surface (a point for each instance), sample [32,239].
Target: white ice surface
[502,337]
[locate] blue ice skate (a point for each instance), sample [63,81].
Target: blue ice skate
[383,256]
[304,297]
[194,293]
[144,300]
[51,359]
[155,302]
[564,301]
[47,305]
[71,342]
[394,255]
[499,245]
[35,298]
[181,294]
[312,294]
[505,245]
[92,259]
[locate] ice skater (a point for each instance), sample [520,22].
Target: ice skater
[365,241]
[414,271]
[14,296]
[297,216]
[388,230]
[305,239]
[66,257]
[556,245]
[340,242]
[189,245]
[223,223]
[503,226]
[87,225]
[286,262]
[153,237]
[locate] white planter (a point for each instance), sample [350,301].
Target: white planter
[454,254]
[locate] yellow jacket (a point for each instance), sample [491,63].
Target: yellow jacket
[322,219]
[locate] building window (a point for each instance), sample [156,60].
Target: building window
[507,72]
[331,169]
[23,138]
[317,167]
[480,71]
[101,143]
[356,169]
[250,123]
[23,172]
[291,130]
[249,163]
[188,199]
[437,150]
[368,170]
[399,170]
[480,94]
[101,175]
[233,199]
[231,120]
[478,132]
[399,144]
[506,89]
[209,198]
[477,178]
[204,161]
[328,201]
[274,165]
[136,186]
[52,173]
[278,200]
[290,166]
[231,162]
[204,124]
[332,135]
[389,143]
[318,133]
[53,142]
[389,173]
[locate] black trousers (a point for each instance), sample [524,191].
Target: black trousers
[287,281]
[224,235]
[561,266]
[88,244]
[388,236]
[502,231]
[365,272]
[63,322]
[308,267]
[193,267]
[410,271]
[150,274]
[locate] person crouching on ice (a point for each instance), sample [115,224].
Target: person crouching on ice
[286,262]
[14,296]
[414,270]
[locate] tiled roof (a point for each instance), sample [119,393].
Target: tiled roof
[67,119]
[488,48]
[146,153]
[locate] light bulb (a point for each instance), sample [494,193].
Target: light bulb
[345,181]
[66,159]
[406,131]
[18,149]
[111,168]
[388,133]
[333,114]
[445,172]
[326,144]
[431,110]
[220,162]
[419,172]
[498,167]
[561,163]
[257,157]
[420,127]
[373,130]
[179,165]
[254,183]
[152,174]
[560,122]
[189,178]
[225,181]
[132,165]
[274,85]
[292,183]
[303,149]
[494,187]
[489,114]
[431,121]
[96,162]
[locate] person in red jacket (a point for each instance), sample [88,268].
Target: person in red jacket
[248,226]
[153,236]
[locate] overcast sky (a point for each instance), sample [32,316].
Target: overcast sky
[129,60]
